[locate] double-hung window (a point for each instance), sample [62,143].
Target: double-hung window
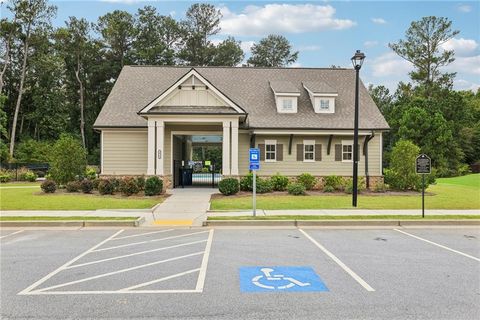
[324,104]
[287,104]
[309,150]
[347,151]
[270,150]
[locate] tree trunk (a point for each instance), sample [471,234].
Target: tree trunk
[82,107]
[7,55]
[20,92]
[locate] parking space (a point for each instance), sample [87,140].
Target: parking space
[242,273]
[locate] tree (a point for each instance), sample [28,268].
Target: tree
[202,22]
[117,30]
[228,53]
[156,38]
[423,48]
[8,31]
[30,15]
[68,159]
[272,51]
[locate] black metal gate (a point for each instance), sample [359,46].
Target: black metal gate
[195,173]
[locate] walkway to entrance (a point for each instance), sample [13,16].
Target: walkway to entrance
[187,207]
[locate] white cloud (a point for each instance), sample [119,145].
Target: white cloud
[281,18]
[461,84]
[379,21]
[295,65]
[370,43]
[247,46]
[125,1]
[466,65]
[464,8]
[390,64]
[309,48]
[461,46]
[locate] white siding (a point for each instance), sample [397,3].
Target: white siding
[124,152]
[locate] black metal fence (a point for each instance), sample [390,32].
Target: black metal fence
[195,173]
[39,168]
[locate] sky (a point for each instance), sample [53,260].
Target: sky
[326,32]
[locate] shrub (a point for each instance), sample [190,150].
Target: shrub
[115,183]
[307,180]
[229,186]
[380,187]
[401,174]
[140,182]
[128,186]
[86,186]
[153,186]
[296,189]
[105,186]
[91,173]
[73,186]
[334,183]
[95,183]
[279,182]
[361,185]
[68,159]
[328,188]
[30,176]
[5,175]
[49,186]
[264,185]
[246,182]
[33,151]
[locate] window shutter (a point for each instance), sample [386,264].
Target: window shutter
[279,152]
[318,152]
[299,152]
[338,152]
[262,152]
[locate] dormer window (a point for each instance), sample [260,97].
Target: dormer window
[322,96]
[286,95]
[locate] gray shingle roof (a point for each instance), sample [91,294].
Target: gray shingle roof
[284,87]
[318,87]
[250,89]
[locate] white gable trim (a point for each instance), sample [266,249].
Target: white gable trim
[194,73]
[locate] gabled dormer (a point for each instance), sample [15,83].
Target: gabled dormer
[322,96]
[286,96]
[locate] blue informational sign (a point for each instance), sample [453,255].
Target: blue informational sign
[254,157]
[280,279]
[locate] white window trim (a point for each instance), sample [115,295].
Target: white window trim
[270,142]
[308,142]
[347,142]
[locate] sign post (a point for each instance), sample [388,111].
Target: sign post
[254,156]
[423,166]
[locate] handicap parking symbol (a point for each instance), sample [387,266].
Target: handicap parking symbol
[280,279]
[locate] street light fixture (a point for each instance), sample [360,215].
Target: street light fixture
[357,61]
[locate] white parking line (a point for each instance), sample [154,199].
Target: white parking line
[48,276]
[121,271]
[339,262]
[134,254]
[143,234]
[11,234]
[438,245]
[203,267]
[160,280]
[149,241]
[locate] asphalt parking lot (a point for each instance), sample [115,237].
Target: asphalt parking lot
[236,273]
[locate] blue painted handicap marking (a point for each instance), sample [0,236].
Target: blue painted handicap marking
[280,279]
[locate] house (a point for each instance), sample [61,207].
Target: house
[300,118]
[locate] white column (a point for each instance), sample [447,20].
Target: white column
[235,148]
[151,148]
[160,154]
[226,149]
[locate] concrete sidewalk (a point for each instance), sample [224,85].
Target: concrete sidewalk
[343,212]
[187,207]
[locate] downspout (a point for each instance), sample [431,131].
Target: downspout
[365,152]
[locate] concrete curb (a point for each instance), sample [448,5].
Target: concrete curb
[74,223]
[338,223]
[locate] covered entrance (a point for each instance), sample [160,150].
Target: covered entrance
[197,160]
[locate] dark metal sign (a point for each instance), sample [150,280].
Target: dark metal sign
[423,164]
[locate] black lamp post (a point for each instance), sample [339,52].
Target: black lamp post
[357,61]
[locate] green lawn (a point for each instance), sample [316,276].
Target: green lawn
[448,193]
[72,218]
[369,217]
[34,199]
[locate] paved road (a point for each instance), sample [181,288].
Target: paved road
[210,273]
